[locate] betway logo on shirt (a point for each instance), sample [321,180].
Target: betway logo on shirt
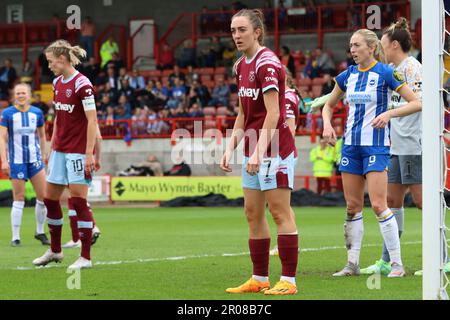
[64,107]
[249,93]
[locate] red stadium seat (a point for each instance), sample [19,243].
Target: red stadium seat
[206,71]
[209,111]
[218,77]
[304,81]
[165,80]
[317,81]
[303,88]
[209,84]
[167,72]
[222,111]
[220,70]
[209,124]
[4,103]
[150,73]
[205,77]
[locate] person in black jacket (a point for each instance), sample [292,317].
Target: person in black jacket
[7,77]
[180,168]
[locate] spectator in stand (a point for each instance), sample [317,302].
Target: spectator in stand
[161,92]
[287,59]
[167,59]
[195,111]
[87,36]
[220,94]
[139,125]
[39,104]
[161,126]
[328,84]
[102,107]
[111,92]
[101,79]
[46,74]
[27,73]
[198,93]
[282,15]
[107,49]
[206,19]
[126,105]
[350,61]
[176,74]
[187,55]
[112,79]
[238,5]
[322,157]
[152,116]
[127,91]
[116,62]
[229,54]
[268,12]
[191,76]
[308,69]
[324,63]
[212,53]
[233,85]
[91,69]
[180,168]
[137,82]
[223,19]
[123,75]
[7,77]
[178,94]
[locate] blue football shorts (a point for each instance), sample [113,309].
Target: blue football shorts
[25,171]
[361,160]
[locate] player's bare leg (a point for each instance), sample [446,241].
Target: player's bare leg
[353,185]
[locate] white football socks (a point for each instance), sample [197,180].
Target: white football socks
[354,232]
[16,218]
[389,230]
[41,213]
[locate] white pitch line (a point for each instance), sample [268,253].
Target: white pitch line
[102,263]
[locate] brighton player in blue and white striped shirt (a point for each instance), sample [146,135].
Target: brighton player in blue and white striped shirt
[365,153]
[22,127]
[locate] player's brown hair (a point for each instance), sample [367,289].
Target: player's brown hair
[256,18]
[399,31]
[63,48]
[372,41]
[290,83]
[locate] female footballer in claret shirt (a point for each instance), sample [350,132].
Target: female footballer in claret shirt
[72,161]
[269,155]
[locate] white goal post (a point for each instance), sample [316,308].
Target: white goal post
[433,228]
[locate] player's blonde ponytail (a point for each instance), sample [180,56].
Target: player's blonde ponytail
[372,41]
[63,48]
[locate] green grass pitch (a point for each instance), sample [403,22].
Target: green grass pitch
[195,253]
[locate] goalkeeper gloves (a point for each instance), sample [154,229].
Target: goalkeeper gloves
[317,103]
